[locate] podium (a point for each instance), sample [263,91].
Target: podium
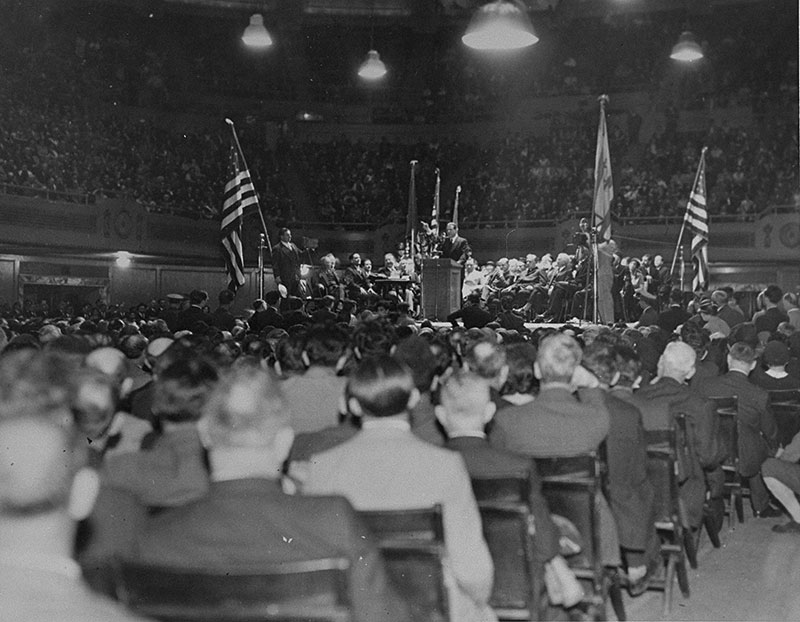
[441,288]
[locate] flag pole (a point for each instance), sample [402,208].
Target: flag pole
[602,177]
[683,224]
[412,209]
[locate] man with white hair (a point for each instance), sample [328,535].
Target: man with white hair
[473,278]
[669,395]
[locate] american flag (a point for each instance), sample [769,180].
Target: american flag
[239,196]
[603,184]
[696,221]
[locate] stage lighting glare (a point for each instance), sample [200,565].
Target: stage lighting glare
[500,25]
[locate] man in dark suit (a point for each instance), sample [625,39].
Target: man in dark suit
[189,317]
[454,246]
[265,313]
[631,494]
[356,280]
[466,407]
[758,433]
[222,317]
[327,281]
[675,314]
[246,519]
[670,395]
[286,263]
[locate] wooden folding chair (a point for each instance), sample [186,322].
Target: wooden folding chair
[508,528]
[299,591]
[412,546]
[735,488]
[662,470]
[572,487]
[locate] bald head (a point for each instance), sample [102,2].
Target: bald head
[677,361]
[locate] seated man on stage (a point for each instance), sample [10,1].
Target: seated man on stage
[326,282]
[474,279]
[356,279]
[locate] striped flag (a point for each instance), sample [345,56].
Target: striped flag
[603,185]
[696,221]
[239,196]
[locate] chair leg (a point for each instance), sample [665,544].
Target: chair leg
[690,544]
[615,596]
[683,577]
[713,534]
[669,581]
[739,497]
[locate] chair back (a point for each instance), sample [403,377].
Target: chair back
[784,396]
[727,409]
[508,528]
[663,472]
[412,546]
[787,418]
[572,487]
[311,590]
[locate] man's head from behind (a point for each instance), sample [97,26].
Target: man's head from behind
[465,404]
[742,357]
[381,387]
[558,356]
[41,457]
[181,389]
[415,352]
[245,423]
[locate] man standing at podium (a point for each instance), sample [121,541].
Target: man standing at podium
[454,246]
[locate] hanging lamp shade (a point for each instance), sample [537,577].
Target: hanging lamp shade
[256,35]
[687,49]
[500,25]
[373,68]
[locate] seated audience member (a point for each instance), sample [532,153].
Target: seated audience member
[140,400]
[324,314]
[758,433]
[464,411]
[194,313]
[507,318]
[473,314]
[386,467]
[775,377]
[222,317]
[675,315]
[668,395]
[792,311]
[265,313]
[699,339]
[416,354]
[315,396]
[170,471]
[521,381]
[782,477]
[246,519]
[630,493]
[108,431]
[45,488]
[648,315]
[557,422]
[730,315]
[768,318]
[711,320]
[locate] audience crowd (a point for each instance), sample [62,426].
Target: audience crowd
[229,441]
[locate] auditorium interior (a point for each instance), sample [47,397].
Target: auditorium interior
[122,121]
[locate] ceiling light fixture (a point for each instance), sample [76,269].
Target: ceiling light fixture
[687,50]
[256,35]
[500,25]
[373,68]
